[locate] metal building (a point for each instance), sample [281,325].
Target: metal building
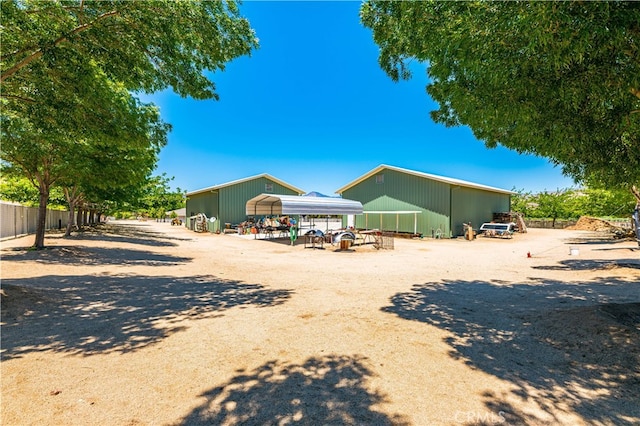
[402,200]
[227,201]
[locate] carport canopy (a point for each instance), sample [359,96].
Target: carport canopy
[274,204]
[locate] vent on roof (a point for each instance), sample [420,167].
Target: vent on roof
[380,178]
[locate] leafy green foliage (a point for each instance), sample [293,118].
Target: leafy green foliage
[68,69]
[555,79]
[18,189]
[153,199]
[147,45]
[573,203]
[98,142]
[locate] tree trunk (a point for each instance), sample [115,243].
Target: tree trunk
[70,221]
[635,218]
[79,217]
[636,213]
[636,193]
[42,215]
[72,199]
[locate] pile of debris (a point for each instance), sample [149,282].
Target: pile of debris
[586,223]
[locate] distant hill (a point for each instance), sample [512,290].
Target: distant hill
[315,194]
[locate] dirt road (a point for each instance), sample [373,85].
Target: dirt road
[142,323]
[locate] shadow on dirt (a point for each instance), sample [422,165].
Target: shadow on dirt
[570,347]
[598,239]
[92,256]
[90,314]
[321,391]
[139,233]
[590,265]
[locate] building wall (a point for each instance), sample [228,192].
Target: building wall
[233,199]
[475,206]
[443,207]
[205,202]
[400,191]
[228,204]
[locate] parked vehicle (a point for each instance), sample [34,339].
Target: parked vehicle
[491,229]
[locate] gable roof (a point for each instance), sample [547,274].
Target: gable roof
[235,182]
[451,181]
[270,204]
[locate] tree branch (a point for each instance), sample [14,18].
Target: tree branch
[16,52]
[636,193]
[17,97]
[38,53]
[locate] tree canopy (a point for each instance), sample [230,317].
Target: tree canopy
[69,71]
[555,79]
[15,187]
[571,203]
[106,140]
[146,45]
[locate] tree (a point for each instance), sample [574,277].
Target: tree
[147,45]
[555,79]
[156,197]
[572,203]
[600,202]
[67,69]
[104,170]
[554,205]
[64,139]
[16,188]
[523,202]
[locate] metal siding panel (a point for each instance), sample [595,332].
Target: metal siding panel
[206,203]
[442,204]
[203,203]
[475,206]
[398,191]
[233,199]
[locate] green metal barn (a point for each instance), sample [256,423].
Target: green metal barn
[402,200]
[227,202]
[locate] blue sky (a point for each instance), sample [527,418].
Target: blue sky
[313,108]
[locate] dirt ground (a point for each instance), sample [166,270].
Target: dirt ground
[142,323]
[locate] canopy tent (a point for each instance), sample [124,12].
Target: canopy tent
[273,204]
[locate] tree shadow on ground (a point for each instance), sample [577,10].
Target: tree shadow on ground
[590,265]
[126,233]
[89,314]
[329,390]
[557,342]
[598,239]
[92,256]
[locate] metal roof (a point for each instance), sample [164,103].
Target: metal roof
[448,180]
[274,204]
[235,182]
